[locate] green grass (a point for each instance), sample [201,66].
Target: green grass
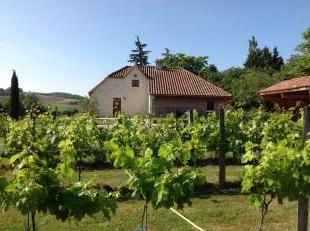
[113,177]
[217,212]
[211,212]
[117,177]
[233,173]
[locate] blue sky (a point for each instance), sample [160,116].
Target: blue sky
[71,45]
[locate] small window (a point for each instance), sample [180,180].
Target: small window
[135,83]
[210,106]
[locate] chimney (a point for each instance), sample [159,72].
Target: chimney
[159,64]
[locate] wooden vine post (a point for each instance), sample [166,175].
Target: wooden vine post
[190,116]
[222,148]
[303,202]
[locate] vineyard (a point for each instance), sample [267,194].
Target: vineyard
[76,174]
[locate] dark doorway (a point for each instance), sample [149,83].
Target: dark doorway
[116,106]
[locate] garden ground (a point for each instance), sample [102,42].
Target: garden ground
[209,211]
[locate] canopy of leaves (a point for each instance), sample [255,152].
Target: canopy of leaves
[194,64]
[157,156]
[263,58]
[139,55]
[279,164]
[33,147]
[299,64]
[245,88]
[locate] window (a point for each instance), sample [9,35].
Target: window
[135,83]
[210,106]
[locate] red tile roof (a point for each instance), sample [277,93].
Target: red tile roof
[174,81]
[296,84]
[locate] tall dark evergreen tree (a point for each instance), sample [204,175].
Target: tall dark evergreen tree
[139,56]
[14,97]
[253,59]
[277,60]
[263,58]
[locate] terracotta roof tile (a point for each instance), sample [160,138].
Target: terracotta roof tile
[296,84]
[175,81]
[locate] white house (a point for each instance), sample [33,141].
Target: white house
[156,90]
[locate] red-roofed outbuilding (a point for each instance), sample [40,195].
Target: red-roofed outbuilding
[288,93]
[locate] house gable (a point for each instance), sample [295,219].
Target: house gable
[133,98]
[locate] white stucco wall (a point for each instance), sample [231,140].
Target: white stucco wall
[133,99]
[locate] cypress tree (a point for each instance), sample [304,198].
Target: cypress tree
[139,56]
[14,97]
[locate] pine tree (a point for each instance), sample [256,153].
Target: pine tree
[277,61]
[166,52]
[253,60]
[262,58]
[14,97]
[139,56]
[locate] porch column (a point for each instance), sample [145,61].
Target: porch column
[151,99]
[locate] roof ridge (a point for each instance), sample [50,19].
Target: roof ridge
[118,70]
[287,85]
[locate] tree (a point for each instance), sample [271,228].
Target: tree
[299,64]
[87,105]
[263,58]
[139,56]
[14,97]
[253,59]
[194,64]
[244,87]
[30,99]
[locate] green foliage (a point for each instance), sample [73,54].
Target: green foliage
[29,99]
[235,137]
[299,64]
[256,122]
[81,139]
[157,156]
[33,147]
[3,125]
[14,97]
[276,162]
[262,58]
[89,106]
[245,88]
[36,138]
[139,56]
[194,64]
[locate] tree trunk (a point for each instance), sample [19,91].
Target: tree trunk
[80,166]
[33,216]
[222,149]
[302,212]
[27,223]
[303,202]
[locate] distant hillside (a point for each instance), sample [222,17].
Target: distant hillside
[6,92]
[62,103]
[63,95]
[61,100]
